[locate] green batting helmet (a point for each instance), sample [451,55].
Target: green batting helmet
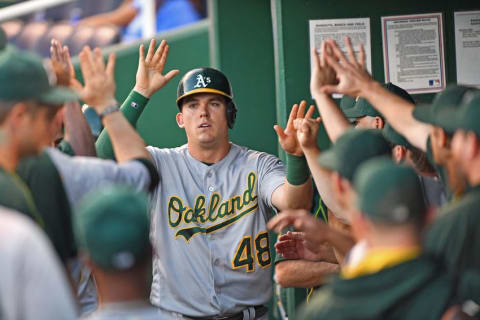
[207,80]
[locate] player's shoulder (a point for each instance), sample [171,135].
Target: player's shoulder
[16,225]
[157,152]
[243,151]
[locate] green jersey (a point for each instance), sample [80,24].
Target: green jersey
[416,289]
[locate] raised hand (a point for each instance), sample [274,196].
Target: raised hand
[322,73]
[292,245]
[351,73]
[313,230]
[62,65]
[99,89]
[307,131]
[150,68]
[288,137]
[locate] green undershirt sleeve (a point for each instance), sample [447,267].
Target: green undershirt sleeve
[131,108]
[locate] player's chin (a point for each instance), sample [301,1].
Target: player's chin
[206,138]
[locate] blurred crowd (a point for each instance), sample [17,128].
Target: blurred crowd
[97,23]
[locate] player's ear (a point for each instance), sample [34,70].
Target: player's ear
[379,122]
[399,153]
[179,118]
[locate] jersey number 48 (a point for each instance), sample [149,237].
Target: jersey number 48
[245,257]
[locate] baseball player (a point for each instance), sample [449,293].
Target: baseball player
[112,230]
[33,285]
[392,279]
[209,213]
[418,125]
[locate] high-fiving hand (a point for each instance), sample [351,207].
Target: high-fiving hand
[288,138]
[351,73]
[62,65]
[99,89]
[150,68]
[322,73]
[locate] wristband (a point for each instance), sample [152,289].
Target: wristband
[297,170]
[107,111]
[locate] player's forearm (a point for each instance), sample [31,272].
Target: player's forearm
[119,17]
[127,144]
[322,181]
[132,109]
[340,241]
[333,118]
[77,131]
[297,196]
[303,273]
[397,112]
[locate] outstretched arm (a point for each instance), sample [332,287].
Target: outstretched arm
[315,232]
[333,118]
[354,80]
[99,92]
[297,191]
[307,131]
[149,79]
[77,130]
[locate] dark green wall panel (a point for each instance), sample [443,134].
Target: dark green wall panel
[242,47]
[189,48]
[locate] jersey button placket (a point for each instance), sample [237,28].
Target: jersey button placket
[215,260]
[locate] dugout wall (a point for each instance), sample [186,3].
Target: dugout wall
[263,47]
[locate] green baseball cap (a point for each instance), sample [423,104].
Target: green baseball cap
[24,77]
[448,100]
[112,227]
[353,148]
[389,193]
[395,138]
[347,102]
[466,117]
[363,108]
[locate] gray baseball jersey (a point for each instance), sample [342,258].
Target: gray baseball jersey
[128,310]
[81,175]
[33,284]
[209,231]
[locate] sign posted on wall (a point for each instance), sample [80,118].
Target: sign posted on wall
[413,52]
[467,47]
[358,29]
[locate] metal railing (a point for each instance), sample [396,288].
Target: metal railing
[24,8]
[32,6]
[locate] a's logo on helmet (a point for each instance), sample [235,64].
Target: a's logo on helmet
[202,82]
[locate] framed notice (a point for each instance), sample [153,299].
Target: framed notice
[413,52]
[358,29]
[467,47]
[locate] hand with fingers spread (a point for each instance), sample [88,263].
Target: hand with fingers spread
[292,245]
[288,137]
[314,231]
[322,73]
[307,131]
[62,65]
[99,89]
[351,73]
[150,68]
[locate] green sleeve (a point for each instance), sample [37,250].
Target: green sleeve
[43,180]
[131,108]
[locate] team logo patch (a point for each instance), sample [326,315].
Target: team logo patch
[202,82]
[222,214]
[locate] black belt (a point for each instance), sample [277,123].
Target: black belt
[259,311]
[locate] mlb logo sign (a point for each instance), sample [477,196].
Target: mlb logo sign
[434,82]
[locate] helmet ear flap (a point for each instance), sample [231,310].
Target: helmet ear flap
[231,114]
